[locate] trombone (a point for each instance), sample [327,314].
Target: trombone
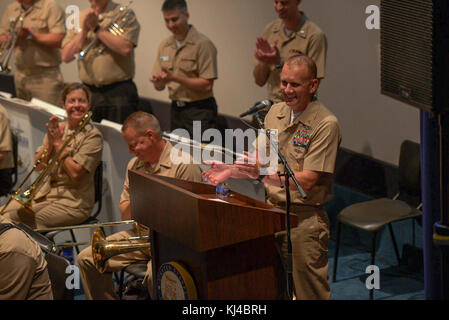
[103,249]
[26,196]
[7,47]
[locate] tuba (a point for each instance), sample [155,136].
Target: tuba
[7,47]
[103,249]
[25,197]
[116,28]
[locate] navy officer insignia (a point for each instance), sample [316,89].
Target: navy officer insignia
[301,138]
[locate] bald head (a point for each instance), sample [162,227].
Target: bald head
[303,60]
[140,122]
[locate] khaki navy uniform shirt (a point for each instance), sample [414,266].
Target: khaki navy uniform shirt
[307,39]
[165,167]
[85,149]
[196,57]
[5,140]
[43,16]
[310,142]
[23,269]
[100,69]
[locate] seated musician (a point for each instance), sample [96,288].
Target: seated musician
[23,269]
[141,132]
[67,195]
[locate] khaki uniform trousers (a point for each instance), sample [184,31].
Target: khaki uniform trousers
[42,83]
[46,214]
[309,254]
[99,286]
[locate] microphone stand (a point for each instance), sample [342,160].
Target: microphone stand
[287,174]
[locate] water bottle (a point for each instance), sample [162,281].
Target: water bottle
[222,190]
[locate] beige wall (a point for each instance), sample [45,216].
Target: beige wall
[372,123]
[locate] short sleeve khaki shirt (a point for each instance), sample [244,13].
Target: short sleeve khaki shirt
[43,16]
[310,142]
[307,39]
[165,167]
[5,140]
[85,149]
[23,269]
[196,57]
[99,69]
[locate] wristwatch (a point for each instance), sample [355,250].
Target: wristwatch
[280,65]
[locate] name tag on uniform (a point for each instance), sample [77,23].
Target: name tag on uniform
[165,58]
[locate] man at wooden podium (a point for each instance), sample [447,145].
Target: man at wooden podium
[309,136]
[141,132]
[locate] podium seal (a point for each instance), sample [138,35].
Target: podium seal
[174,282]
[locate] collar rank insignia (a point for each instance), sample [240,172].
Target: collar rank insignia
[301,138]
[295,51]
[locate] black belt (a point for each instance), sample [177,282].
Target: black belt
[108,86]
[182,104]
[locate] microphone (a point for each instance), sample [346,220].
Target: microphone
[257,107]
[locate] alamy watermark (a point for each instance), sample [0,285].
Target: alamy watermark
[73,280]
[72,21]
[262,147]
[372,22]
[373,280]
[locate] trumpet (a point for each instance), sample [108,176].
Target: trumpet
[103,249]
[7,47]
[116,28]
[25,197]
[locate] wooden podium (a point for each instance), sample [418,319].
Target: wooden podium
[227,246]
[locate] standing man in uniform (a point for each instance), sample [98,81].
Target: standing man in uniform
[308,136]
[291,34]
[6,153]
[141,132]
[186,63]
[108,68]
[37,55]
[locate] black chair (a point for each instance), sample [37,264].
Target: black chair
[57,266]
[98,184]
[373,215]
[136,270]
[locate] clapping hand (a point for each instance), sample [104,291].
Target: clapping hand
[55,131]
[266,53]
